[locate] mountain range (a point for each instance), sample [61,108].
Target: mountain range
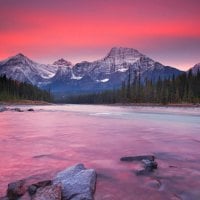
[63,78]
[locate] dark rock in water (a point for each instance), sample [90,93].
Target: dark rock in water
[52,192]
[33,188]
[2,109]
[26,196]
[17,110]
[154,183]
[16,189]
[30,110]
[77,183]
[138,158]
[149,165]
[147,160]
[43,183]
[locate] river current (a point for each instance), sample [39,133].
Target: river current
[38,144]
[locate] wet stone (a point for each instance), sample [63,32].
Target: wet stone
[16,189]
[52,192]
[77,182]
[33,188]
[30,110]
[17,110]
[149,165]
[138,158]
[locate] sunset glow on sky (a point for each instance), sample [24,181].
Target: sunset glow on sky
[46,30]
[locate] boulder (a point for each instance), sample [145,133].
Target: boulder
[16,189]
[77,183]
[52,192]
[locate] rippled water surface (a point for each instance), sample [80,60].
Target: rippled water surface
[38,144]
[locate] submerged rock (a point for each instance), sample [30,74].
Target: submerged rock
[17,110]
[30,110]
[77,183]
[16,189]
[52,192]
[148,163]
[138,158]
[149,166]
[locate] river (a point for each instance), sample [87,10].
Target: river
[38,144]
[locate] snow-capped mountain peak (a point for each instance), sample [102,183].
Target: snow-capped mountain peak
[120,55]
[106,73]
[123,52]
[62,62]
[196,68]
[21,68]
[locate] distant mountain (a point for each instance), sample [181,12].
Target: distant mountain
[23,69]
[109,72]
[196,68]
[63,78]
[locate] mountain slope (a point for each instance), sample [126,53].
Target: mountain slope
[23,69]
[196,68]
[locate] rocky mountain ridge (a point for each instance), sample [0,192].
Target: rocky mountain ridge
[107,73]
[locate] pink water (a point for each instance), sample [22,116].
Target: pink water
[38,144]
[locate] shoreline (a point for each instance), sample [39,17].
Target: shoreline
[31,102]
[182,105]
[23,102]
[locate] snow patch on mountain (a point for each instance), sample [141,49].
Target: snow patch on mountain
[122,70]
[103,80]
[76,77]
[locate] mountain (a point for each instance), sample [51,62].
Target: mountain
[23,69]
[110,71]
[196,68]
[63,78]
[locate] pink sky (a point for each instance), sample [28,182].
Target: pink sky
[46,30]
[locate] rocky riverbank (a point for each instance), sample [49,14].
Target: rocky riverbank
[74,183]
[4,108]
[23,102]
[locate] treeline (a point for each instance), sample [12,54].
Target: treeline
[14,90]
[184,88]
